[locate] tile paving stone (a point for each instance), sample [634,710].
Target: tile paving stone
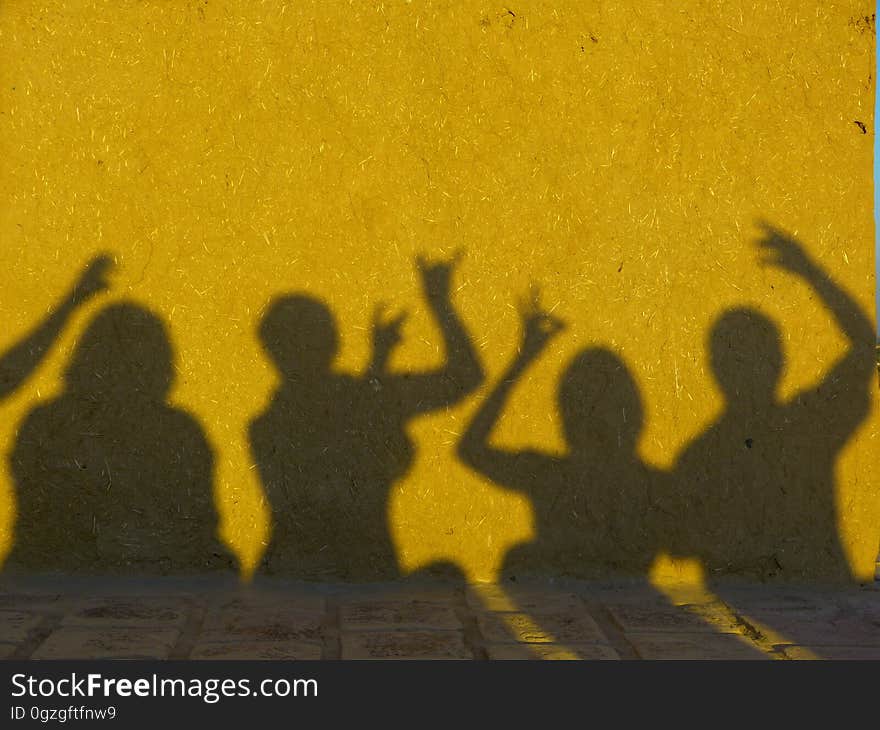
[645,595]
[708,618]
[441,594]
[794,603]
[30,601]
[698,645]
[15,626]
[846,631]
[73,642]
[404,645]
[788,616]
[497,600]
[687,596]
[128,612]
[670,596]
[397,615]
[858,653]
[865,606]
[234,624]
[500,628]
[551,651]
[258,650]
[403,621]
[271,603]
[479,596]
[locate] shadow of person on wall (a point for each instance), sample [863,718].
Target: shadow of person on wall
[758,486]
[330,445]
[598,507]
[593,506]
[109,476]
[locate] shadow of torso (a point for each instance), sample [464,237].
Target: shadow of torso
[593,517]
[105,487]
[109,476]
[759,494]
[328,453]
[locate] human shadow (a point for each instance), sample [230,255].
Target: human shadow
[330,444]
[109,476]
[595,505]
[753,496]
[758,487]
[598,507]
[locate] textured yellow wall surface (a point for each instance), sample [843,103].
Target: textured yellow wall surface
[615,154]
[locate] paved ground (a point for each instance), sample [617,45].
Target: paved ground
[219,619]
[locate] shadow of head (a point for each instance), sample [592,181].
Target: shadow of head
[125,349]
[600,405]
[299,334]
[746,355]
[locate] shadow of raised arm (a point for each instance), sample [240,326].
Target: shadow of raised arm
[500,465]
[24,357]
[857,364]
[459,375]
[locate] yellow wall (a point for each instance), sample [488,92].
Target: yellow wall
[616,153]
